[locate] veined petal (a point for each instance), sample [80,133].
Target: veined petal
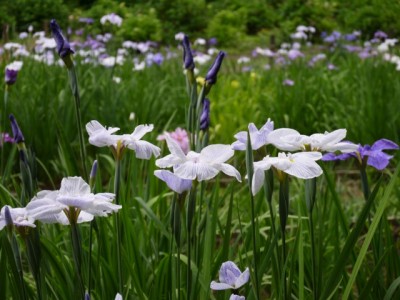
[332,137]
[44,209]
[344,147]
[229,272]
[313,155]
[304,169]
[379,160]
[219,286]
[141,130]
[229,170]
[81,202]
[83,217]
[174,148]
[258,180]
[144,149]
[216,153]
[384,144]
[275,138]
[74,186]
[192,170]
[100,136]
[169,161]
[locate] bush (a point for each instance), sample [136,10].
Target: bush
[142,26]
[228,27]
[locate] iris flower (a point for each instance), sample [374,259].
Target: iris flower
[19,217]
[230,277]
[258,137]
[73,203]
[101,136]
[293,141]
[373,155]
[201,166]
[301,165]
[11,72]
[63,46]
[211,77]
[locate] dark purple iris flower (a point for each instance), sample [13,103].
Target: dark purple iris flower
[205,115]
[11,76]
[17,133]
[211,77]
[63,47]
[188,62]
[374,155]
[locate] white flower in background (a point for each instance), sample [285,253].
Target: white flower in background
[100,136]
[299,35]
[139,66]
[113,18]
[230,277]
[74,202]
[116,79]
[258,138]
[301,165]
[201,58]
[290,140]
[201,166]
[243,60]
[15,65]
[30,28]
[179,36]
[23,35]
[199,41]
[19,217]
[118,296]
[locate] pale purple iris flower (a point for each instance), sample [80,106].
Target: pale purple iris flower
[230,277]
[236,297]
[258,137]
[174,182]
[374,154]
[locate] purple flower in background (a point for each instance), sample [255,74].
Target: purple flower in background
[380,35]
[5,138]
[294,53]
[188,62]
[288,82]
[230,277]
[63,47]
[158,58]
[205,115]
[174,182]
[17,133]
[374,155]
[212,41]
[211,77]
[86,20]
[180,136]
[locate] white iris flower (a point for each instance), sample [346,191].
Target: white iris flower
[301,165]
[201,166]
[74,202]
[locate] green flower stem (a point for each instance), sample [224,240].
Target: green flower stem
[77,249]
[310,192]
[117,183]
[2,130]
[75,91]
[176,229]
[17,257]
[250,171]
[189,222]
[283,215]
[32,243]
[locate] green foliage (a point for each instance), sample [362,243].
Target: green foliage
[228,27]
[142,26]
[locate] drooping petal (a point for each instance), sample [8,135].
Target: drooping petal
[216,153]
[174,182]
[144,149]
[258,180]
[330,138]
[169,161]
[44,209]
[100,136]
[380,160]
[304,169]
[229,170]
